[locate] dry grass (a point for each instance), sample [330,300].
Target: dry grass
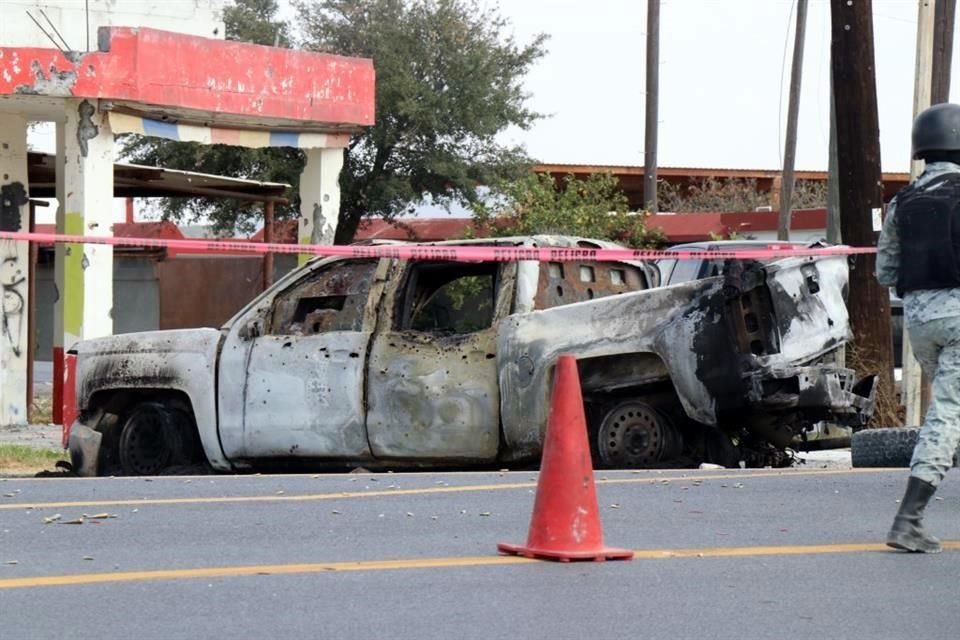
[23,460]
[41,410]
[888,411]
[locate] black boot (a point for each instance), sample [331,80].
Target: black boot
[907,532]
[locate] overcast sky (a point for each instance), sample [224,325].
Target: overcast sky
[723,71]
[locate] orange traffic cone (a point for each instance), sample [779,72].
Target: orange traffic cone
[566,521]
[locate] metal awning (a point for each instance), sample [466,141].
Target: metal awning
[139,181]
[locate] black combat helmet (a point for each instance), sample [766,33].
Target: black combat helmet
[936,129]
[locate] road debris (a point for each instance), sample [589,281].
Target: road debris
[52,518]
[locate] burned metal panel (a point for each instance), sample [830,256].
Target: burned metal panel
[303,397]
[830,390]
[433,397]
[568,282]
[527,282]
[291,384]
[665,322]
[604,374]
[432,387]
[183,360]
[808,299]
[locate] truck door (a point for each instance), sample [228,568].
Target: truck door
[432,388]
[300,379]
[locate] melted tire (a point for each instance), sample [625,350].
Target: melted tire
[156,439]
[887,447]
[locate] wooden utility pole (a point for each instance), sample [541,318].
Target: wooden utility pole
[268,216]
[861,193]
[833,186]
[653,97]
[793,111]
[945,14]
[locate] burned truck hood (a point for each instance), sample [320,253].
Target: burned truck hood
[157,359]
[808,297]
[709,336]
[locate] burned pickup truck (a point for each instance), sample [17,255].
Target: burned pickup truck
[390,363]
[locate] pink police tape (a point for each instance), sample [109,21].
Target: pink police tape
[443,252]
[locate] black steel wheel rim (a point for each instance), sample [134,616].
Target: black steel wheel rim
[632,435]
[144,445]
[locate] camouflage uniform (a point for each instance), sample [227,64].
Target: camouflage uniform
[932,319]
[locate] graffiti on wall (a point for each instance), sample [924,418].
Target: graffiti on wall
[13,276]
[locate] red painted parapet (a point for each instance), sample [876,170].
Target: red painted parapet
[184,72]
[69,395]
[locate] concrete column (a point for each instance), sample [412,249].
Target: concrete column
[84,273]
[14,271]
[320,197]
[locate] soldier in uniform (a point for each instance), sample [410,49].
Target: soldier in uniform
[919,254]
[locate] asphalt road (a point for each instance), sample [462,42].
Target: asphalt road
[720,554]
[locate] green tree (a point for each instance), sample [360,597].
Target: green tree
[255,21]
[594,207]
[734,194]
[449,80]
[252,21]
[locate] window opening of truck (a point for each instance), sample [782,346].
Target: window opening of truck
[684,271]
[450,298]
[332,299]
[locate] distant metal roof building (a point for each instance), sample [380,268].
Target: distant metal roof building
[677,227]
[768,180]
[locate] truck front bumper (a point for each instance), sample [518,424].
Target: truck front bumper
[833,393]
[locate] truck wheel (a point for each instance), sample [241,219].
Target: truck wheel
[153,438]
[885,447]
[634,435]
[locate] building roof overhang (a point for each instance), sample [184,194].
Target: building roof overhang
[132,180]
[173,77]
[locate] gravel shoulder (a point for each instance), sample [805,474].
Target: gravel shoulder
[42,436]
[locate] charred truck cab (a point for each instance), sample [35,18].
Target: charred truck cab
[404,363]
